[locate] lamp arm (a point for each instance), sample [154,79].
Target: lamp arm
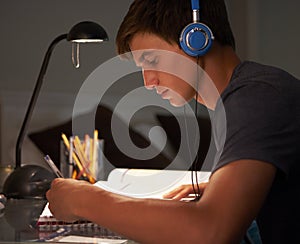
[34,98]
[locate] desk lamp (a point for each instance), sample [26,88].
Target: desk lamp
[32,181]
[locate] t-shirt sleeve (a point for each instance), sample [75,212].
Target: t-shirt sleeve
[258,127]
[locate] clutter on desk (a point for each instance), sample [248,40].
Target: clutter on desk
[84,156]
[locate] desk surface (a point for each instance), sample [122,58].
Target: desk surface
[18,223]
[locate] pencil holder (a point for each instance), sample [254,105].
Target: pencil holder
[82,160]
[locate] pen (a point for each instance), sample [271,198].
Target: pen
[53,236]
[53,166]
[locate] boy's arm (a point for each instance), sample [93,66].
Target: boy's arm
[229,203]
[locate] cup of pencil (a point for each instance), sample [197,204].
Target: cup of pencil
[82,158]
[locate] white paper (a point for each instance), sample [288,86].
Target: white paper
[144,183]
[82,239]
[147,183]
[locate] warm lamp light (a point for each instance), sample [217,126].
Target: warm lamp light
[32,181]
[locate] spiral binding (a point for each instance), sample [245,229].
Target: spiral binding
[82,227]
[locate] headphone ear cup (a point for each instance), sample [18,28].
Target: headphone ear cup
[196,39]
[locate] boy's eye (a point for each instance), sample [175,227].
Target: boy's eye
[150,61]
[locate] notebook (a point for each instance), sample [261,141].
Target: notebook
[140,183]
[51,229]
[148,183]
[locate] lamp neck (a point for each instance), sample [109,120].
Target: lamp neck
[34,97]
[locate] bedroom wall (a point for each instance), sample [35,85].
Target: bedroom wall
[27,28]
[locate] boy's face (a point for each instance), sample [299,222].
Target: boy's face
[162,69]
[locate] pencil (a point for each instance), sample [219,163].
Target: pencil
[95,151]
[80,151]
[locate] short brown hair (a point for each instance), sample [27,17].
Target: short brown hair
[167,18]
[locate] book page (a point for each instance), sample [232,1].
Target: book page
[144,183]
[148,183]
[141,183]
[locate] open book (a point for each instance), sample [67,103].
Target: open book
[148,183]
[140,183]
[144,183]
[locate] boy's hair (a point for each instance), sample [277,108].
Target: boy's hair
[167,18]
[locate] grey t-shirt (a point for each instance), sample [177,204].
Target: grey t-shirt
[262,107]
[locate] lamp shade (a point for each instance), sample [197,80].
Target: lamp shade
[87,31]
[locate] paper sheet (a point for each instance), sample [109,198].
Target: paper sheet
[82,239]
[147,183]
[144,183]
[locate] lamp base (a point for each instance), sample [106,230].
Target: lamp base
[29,181]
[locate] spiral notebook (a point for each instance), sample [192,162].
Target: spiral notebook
[47,224]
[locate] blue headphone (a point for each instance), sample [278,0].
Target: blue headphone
[196,38]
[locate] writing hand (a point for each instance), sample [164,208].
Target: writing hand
[65,196]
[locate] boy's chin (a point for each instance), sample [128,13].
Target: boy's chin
[178,102]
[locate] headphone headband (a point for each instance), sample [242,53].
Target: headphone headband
[195,5]
[196,11]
